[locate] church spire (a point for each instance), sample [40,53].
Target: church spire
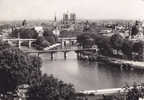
[55,18]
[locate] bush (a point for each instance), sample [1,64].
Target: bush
[50,88]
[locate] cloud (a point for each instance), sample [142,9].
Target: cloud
[96,9]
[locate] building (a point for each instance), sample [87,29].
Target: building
[72,18]
[69,18]
[65,18]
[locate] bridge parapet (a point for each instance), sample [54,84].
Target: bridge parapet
[21,40]
[65,51]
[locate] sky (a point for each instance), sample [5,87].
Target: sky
[84,9]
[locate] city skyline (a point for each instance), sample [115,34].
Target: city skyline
[84,9]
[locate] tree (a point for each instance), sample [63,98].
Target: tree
[135,28]
[25,33]
[17,68]
[46,40]
[104,45]
[41,43]
[103,42]
[50,88]
[86,27]
[138,48]
[50,37]
[85,40]
[24,23]
[127,48]
[134,92]
[117,41]
[3,45]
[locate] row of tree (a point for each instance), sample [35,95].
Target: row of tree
[18,68]
[42,41]
[107,44]
[46,40]
[134,92]
[28,33]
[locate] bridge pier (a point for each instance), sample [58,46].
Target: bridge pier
[65,55]
[72,42]
[38,54]
[51,55]
[19,44]
[30,44]
[78,55]
[61,42]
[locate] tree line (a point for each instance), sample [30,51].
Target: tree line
[106,44]
[47,39]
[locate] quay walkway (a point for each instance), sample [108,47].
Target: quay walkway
[124,63]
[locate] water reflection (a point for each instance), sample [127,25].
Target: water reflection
[87,76]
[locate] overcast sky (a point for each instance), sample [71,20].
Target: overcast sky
[88,9]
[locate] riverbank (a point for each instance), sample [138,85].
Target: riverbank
[87,75]
[102,94]
[122,63]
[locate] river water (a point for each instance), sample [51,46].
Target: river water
[88,76]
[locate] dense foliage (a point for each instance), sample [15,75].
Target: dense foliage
[43,41]
[107,44]
[46,40]
[134,93]
[89,39]
[28,33]
[50,88]
[50,37]
[16,68]
[86,40]
[104,45]
[4,45]
[135,30]
[117,41]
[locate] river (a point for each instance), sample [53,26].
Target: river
[88,76]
